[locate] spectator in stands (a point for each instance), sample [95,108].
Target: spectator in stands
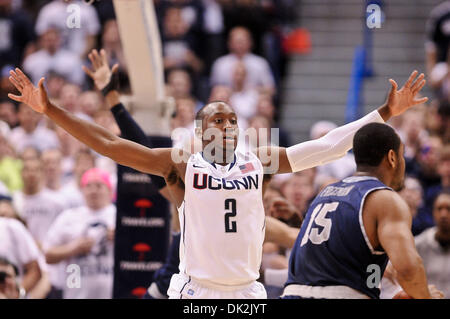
[18,247]
[78,38]
[424,165]
[53,174]
[69,96]
[180,84]
[258,70]
[90,102]
[248,14]
[437,45]
[261,127]
[412,193]
[412,132]
[220,93]
[35,204]
[55,84]
[298,190]
[433,245]
[51,57]
[84,160]
[184,114]
[43,286]
[243,99]
[16,29]
[425,219]
[179,47]
[31,133]
[266,108]
[191,11]
[69,146]
[84,236]
[444,121]
[10,167]
[8,113]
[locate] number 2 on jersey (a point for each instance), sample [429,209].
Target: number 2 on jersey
[230,226]
[318,216]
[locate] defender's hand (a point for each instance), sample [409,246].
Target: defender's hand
[100,73]
[399,101]
[34,97]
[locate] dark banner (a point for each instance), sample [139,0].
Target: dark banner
[142,229]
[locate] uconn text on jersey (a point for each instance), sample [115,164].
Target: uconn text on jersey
[206,181]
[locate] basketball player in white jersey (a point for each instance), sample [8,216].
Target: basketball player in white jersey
[218,191]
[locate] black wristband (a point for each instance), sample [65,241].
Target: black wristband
[113,84]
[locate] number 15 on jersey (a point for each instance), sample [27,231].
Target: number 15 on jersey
[319,218]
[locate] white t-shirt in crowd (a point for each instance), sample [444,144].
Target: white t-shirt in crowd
[73,197]
[245,103]
[41,138]
[258,71]
[64,62]
[59,13]
[39,211]
[17,244]
[96,268]
[436,260]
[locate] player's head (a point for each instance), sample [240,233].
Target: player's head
[378,149]
[216,126]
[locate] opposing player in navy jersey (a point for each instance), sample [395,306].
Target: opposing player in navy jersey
[353,227]
[218,191]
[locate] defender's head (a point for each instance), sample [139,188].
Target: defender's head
[378,149]
[216,125]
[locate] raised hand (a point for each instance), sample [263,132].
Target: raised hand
[100,73]
[34,97]
[399,101]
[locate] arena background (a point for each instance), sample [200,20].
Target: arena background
[315,64]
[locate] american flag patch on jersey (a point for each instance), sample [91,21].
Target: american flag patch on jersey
[246,168]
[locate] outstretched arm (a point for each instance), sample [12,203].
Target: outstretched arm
[127,153]
[339,141]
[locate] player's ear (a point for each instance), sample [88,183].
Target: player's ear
[392,158]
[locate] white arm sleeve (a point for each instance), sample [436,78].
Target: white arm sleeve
[330,147]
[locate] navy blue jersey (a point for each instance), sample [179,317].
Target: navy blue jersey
[332,248]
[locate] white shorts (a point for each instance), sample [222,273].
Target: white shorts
[185,287]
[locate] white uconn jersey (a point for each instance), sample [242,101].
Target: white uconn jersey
[222,220]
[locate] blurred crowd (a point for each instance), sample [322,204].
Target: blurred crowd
[228,50]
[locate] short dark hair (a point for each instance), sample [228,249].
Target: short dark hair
[372,142]
[201,113]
